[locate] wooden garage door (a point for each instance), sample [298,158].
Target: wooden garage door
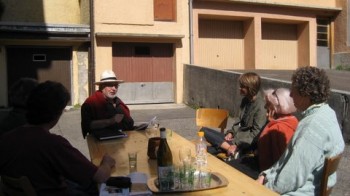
[279,46]
[41,63]
[221,44]
[147,69]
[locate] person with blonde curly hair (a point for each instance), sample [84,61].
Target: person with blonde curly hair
[318,136]
[282,123]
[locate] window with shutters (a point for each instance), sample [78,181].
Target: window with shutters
[164,10]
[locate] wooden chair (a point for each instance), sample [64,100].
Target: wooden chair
[212,117]
[330,166]
[17,186]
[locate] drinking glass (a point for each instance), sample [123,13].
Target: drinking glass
[185,155]
[204,177]
[132,161]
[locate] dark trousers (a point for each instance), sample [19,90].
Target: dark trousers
[247,165]
[215,138]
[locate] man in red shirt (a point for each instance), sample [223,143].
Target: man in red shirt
[103,109]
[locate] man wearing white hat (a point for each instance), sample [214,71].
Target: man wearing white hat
[104,109]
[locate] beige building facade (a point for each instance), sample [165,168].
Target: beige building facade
[147,42]
[275,34]
[45,40]
[146,47]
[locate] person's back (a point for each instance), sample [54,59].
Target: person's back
[49,161]
[33,152]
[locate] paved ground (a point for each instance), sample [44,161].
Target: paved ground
[182,119]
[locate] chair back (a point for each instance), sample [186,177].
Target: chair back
[212,117]
[17,186]
[330,166]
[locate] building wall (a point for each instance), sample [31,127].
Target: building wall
[39,11]
[265,46]
[317,3]
[54,13]
[206,87]
[114,22]
[341,33]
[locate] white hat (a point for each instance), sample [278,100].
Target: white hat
[108,76]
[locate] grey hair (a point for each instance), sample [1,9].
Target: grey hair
[281,100]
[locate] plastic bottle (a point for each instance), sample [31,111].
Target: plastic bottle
[201,150]
[164,163]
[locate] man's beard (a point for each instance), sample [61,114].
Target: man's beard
[111,96]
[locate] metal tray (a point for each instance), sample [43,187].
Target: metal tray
[217,181]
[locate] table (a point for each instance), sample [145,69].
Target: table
[239,183]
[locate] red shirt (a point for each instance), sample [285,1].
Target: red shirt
[273,140]
[46,159]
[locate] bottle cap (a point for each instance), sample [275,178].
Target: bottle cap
[162,129]
[200,133]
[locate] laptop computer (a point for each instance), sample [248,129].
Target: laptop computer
[107,134]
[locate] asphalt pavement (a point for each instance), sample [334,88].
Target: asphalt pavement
[180,118]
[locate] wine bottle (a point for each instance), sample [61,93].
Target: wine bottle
[164,163]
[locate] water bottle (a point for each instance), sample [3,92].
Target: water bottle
[164,163]
[201,150]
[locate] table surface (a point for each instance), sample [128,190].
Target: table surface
[239,183]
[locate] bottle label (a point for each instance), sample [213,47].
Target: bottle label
[165,178]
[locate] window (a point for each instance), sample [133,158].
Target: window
[322,32]
[39,57]
[142,51]
[164,10]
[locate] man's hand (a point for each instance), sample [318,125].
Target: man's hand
[118,118]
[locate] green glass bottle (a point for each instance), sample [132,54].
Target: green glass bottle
[164,163]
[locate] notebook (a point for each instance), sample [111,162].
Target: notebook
[107,134]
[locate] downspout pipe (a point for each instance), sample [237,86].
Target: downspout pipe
[190,8]
[91,68]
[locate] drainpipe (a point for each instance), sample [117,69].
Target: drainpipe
[191,30]
[91,67]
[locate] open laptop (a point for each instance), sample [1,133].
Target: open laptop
[107,134]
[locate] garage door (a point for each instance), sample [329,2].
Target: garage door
[147,69]
[41,63]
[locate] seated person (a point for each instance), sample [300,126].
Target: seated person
[18,94]
[49,161]
[103,109]
[252,118]
[318,135]
[275,136]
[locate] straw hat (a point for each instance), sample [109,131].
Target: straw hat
[108,76]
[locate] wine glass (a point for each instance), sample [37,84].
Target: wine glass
[185,155]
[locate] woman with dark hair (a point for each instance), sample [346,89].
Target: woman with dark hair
[251,119]
[49,161]
[318,135]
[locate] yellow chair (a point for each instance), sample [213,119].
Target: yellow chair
[212,117]
[17,186]
[330,166]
